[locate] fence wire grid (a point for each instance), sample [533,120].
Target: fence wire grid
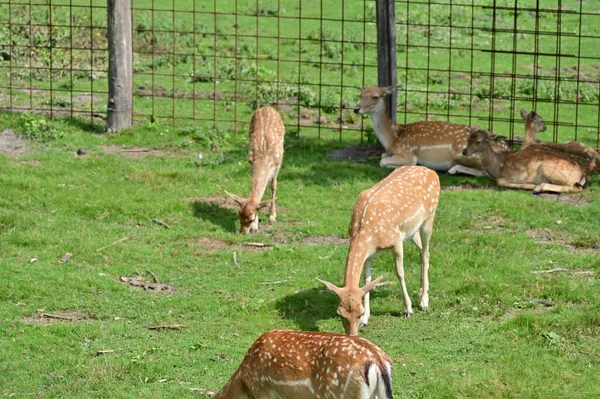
[210,63]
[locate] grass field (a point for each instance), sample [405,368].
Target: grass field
[212,62]
[150,202]
[487,334]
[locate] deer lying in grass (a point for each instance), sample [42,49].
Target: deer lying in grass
[307,365]
[435,144]
[586,157]
[265,156]
[533,168]
[400,207]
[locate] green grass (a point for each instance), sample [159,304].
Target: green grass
[480,338]
[312,64]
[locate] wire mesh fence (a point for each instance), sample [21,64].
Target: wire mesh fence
[206,64]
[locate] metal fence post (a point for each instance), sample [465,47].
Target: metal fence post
[386,49]
[120,65]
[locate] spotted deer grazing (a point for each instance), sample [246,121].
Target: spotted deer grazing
[587,158]
[400,207]
[265,156]
[290,364]
[435,144]
[533,168]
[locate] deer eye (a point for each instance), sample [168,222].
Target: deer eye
[375,97]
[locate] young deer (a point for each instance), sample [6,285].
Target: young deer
[533,168]
[400,207]
[265,156]
[586,157]
[435,144]
[307,365]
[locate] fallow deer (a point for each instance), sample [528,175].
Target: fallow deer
[587,158]
[435,144]
[400,207]
[533,168]
[265,155]
[306,365]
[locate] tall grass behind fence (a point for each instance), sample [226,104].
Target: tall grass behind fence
[206,64]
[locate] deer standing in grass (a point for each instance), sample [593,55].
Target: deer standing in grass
[265,156]
[400,207]
[435,144]
[533,168]
[291,364]
[586,157]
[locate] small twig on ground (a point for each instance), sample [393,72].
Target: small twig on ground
[52,316]
[65,258]
[235,260]
[540,301]
[257,244]
[153,276]
[111,244]
[137,150]
[273,282]
[160,222]
[387,283]
[167,327]
[584,272]
[559,269]
[104,352]
[324,257]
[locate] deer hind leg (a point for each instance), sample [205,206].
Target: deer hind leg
[364,319]
[425,233]
[272,209]
[502,182]
[396,160]
[399,261]
[555,188]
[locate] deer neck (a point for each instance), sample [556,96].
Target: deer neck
[385,128]
[357,255]
[260,178]
[492,161]
[529,134]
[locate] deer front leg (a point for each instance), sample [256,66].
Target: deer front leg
[465,170]
[396,160]
[425,233]
[399,261]
[364,319]
[272,209]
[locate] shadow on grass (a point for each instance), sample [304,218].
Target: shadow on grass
[215,214]
[307,307]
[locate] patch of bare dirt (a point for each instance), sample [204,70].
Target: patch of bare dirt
[206,245]
[326,240]
[134,152]
[12,143]
[139,282]
[61,316]
[89,98]
[467,187]
[572,199]
[547,236]
[359,153]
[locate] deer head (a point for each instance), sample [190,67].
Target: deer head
[248,213]
[372,99]
[351,307]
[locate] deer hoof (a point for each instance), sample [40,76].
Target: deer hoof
[272,219]
[407,315]
[423,308]
[361,325]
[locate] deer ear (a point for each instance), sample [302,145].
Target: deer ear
[264,203]
[523,113]
[241,201]
[331,287]
[360,88]
[371,285]
[390,89]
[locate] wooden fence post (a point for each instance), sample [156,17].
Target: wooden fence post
[386,49]
[120,65]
